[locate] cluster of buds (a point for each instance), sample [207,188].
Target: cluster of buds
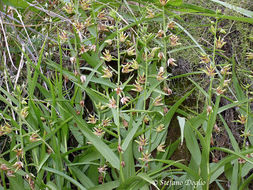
[158,101]
[126,68]
[174,40]
[160,128]
[79,26]
[163,2]
[142,142]
[226,82]
[124,100]
[160,56]
[73,61]
[6,129]
[112,103]
[63,36]
[120,150]
[125,123]
[122,37]
[167,90]
[242,119]
[102,169]
[171,62]
[4,167]
[24,112]
[19,153]
[102,15]
[131,51]
[106,122]
[145,157]
[30,180]
[118,91]
[107,56]
[85,4]
[160,74]
[171,25]
[83,49]
[209,110]
[102,28]
[210,71]
[161,147]
[135,65]
[249,55]
[146,119]
[98,131]
[220,43]
[34,137]
[18,165]
[215,160]
[160,34]
[225,70]
[141,79]
[100,106]
[138,87]
[241,160]
[216,128]
[109,41]
[205,58]
[107,72]
[102,173]
[69,8]
[88,22]
[220,91]
[92,119]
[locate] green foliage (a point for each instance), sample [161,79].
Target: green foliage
[103,95]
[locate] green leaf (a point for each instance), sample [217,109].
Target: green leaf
[105,151]
[145,177]
[108,186]
[235,8]
[16,3]
[65,176]
[175,2]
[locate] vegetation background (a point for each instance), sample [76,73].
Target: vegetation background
[99,94]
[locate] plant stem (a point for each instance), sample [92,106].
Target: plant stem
[118,111]
[3,180]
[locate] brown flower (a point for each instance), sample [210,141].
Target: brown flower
[107,56]
[171,62]
[18,165]
[138,87]
[145,157]
[171,25]
[107,72]
[174,40]
[160,147]
[4,167]
[205,58]
[124,100]
[112,103]
[210,71]
[92,119]
[34,137]
[98,131]
[220,43]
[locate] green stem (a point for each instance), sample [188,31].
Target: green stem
[164,44]
[118,100]
[3,180]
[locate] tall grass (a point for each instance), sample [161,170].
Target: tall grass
[87,98]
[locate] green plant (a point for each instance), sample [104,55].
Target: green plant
[91,107]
